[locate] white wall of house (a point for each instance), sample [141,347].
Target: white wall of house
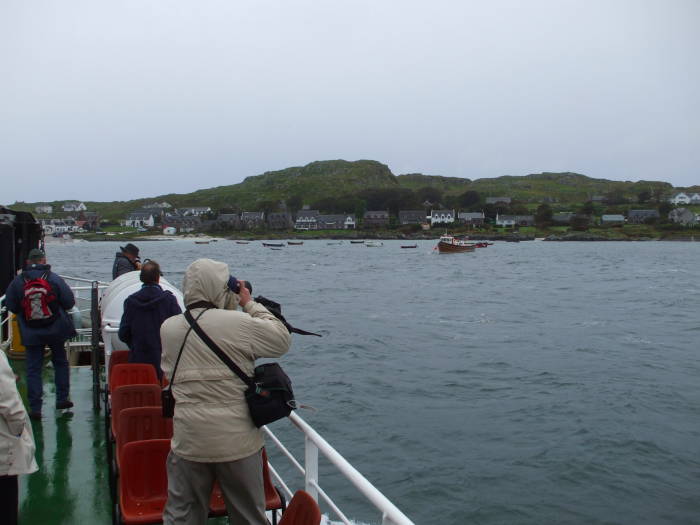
[442,217]
[680,198]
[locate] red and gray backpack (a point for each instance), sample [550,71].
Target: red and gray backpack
[36,303]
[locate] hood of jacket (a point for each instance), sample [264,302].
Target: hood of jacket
[207,280]
[149,297]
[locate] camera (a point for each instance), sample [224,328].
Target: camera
[235,285]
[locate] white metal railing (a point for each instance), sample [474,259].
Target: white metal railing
[313,444]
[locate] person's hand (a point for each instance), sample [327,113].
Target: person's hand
[138,265]
[243,294]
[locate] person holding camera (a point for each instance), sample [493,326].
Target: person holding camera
[214,437]
[125,261]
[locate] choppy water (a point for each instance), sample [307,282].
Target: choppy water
[524,383]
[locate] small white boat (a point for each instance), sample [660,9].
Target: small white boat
[374,244]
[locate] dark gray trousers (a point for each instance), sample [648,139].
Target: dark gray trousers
[190,484]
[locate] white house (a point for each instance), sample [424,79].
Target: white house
[680,198]
[169,230]
[140,220]
[74,206]
[695,198]
[195,212]
[442,216]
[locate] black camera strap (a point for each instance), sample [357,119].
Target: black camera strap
[214,348]
[179,354]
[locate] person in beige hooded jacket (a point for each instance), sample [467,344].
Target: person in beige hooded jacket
[16,442]
[214,436]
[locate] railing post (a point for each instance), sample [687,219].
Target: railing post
[311,467]
[95,340]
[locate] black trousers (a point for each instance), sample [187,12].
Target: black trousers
[9,499]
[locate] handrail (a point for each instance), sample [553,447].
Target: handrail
[315,443]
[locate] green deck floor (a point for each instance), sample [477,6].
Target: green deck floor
[71,485]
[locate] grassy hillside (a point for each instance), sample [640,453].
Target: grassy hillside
[337,178]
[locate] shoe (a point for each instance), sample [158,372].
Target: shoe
[63,405]
[36,416]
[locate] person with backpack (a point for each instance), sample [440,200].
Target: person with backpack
[41,300]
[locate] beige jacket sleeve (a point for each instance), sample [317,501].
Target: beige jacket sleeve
[268,336]
[11,407]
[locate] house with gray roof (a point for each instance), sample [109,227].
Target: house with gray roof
[376,219]
[641,216]
[411,217]
[230,221]
[181,223]
[563,217]
[337,222]
[612,219]
[473,218]
[253,219]
[140,219]
[683,216]
[195,211]
[279,220]
[515,220]
[306,220]
[680,198]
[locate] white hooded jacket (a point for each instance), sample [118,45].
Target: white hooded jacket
[16,438]
[212,422]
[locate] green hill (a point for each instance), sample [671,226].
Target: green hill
[336,179]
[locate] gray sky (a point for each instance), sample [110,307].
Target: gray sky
[120,100]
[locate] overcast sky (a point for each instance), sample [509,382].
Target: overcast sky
[104,100]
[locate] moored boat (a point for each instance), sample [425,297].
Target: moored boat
[201,242]
[295,243]
[357,242]
[409,246]
[242,242]
[273,244]
[374,244]
[450,244]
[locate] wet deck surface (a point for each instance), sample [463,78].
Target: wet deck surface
[71,485]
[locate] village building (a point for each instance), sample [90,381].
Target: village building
[411,217]
[471,218]
[376,219]
[181,224]
[307,220]
[680,198]
[140,219]
[563,217]
[683,216]
[641,216]
[44,209]
[442,217]
[611,219]
[509,221]
[74,206]
[196,211]
[336,222]
[229,221]
[252,220]
[279,220]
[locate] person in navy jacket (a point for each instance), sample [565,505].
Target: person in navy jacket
[144,312]
[53,335]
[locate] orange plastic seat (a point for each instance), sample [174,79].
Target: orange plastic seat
[130,396]
[302,510]
[141,423]
[118,357]
[273,500]
[132,374]
[143,484]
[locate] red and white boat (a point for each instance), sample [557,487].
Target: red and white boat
[450,244]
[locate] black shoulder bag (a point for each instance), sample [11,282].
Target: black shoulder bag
[269,394]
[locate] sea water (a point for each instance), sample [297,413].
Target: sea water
[530,382]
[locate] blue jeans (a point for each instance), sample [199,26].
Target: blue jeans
[35,362]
